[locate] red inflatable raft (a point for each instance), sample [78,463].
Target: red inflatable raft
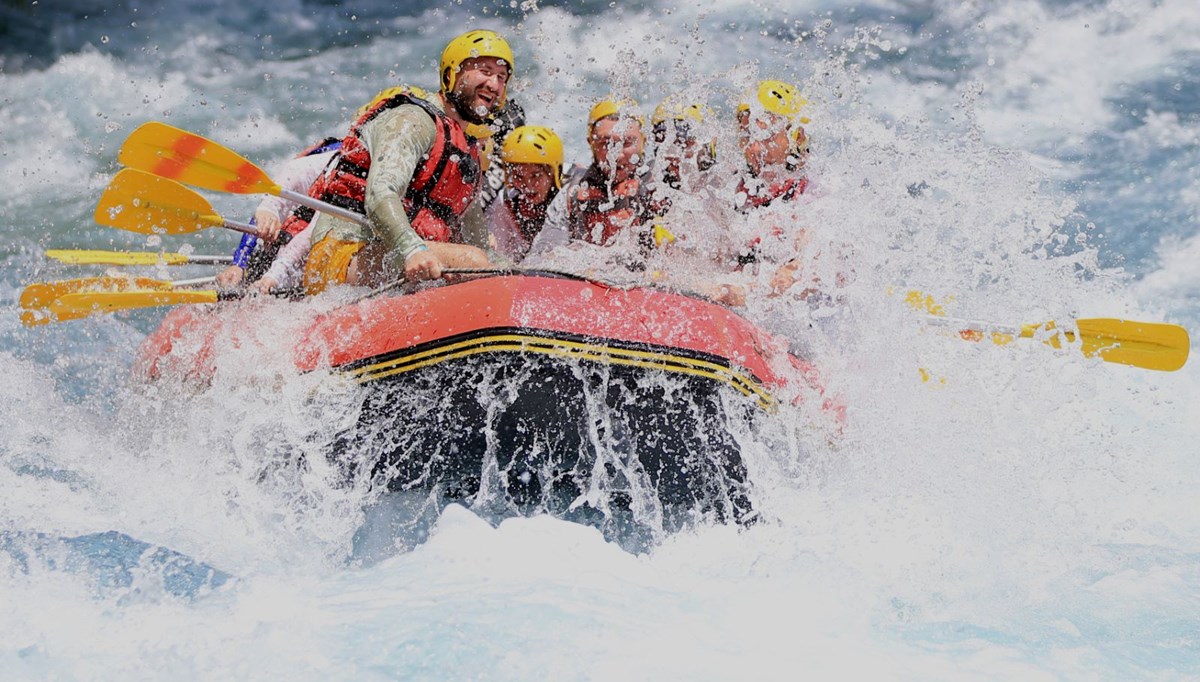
[539,392]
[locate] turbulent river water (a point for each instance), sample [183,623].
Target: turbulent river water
[1024,513]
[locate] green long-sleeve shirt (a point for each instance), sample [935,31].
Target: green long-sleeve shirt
[397,140]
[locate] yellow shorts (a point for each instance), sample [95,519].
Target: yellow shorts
[329,263]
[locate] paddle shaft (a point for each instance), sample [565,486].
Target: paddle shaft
[982,327]
[192,282]
[209,260]
[318,205]
[239,227]
[1149,345]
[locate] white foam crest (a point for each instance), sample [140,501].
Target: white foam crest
[1176,281]
[71,118]
[1174,285]
[55,498]
[698,64]
[1050,76]
[1025,512]
[235,474]
[256,132]
[250,447]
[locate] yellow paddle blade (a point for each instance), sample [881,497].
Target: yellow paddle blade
[42,294]
[169,152]
[1150,345]
[140,202]
[86,303]
[86,257]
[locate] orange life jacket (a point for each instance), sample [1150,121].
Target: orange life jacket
[442,187]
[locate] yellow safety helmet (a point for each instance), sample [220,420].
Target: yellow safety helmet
[782,99]
[534,144]
[471,45]
[390,93]
[612,107]
[779,98]
[684,116]
[674,111]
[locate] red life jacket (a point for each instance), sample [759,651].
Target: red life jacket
[785,190]
[596,217]
[442,187]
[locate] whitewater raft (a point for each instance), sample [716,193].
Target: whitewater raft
[539,392]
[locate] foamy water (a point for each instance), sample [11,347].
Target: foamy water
[1032,516]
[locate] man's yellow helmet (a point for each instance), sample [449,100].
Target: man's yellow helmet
[685,118]
[612,107]
[779,98]
[390,93]
[670,110]
[534,144]
[470,45]
[782,99]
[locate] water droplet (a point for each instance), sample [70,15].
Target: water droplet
[104,39]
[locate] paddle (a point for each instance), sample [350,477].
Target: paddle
[169,152]
[86,303]
[1149,345]
[41,294]
[148,204]
[45,302]
[84,257]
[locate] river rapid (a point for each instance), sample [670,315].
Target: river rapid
[986,512]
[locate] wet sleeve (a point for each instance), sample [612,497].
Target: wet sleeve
[554,231]
[474,226]
[397,141]
[288,268]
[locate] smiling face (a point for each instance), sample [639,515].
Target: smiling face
[617,146]
[479,88]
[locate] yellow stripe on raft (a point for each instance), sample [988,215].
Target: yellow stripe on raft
[520,343]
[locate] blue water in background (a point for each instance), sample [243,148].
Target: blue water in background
[1033,518]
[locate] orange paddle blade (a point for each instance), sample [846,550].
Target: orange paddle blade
[172,153]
